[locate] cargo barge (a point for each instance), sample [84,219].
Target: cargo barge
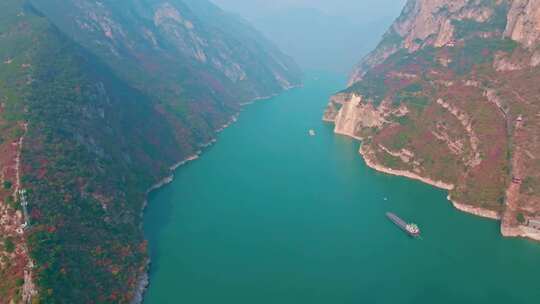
[411,229]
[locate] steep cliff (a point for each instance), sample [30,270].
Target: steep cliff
[449,97]
[97,101]
[171,50]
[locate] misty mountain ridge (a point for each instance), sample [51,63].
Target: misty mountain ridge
[318,40]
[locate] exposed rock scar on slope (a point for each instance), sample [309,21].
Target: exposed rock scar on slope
[475,158]
[372,163]
[456,147]
[405,155]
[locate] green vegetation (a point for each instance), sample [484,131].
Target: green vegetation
[438,159]
[372,87]
[412,96]
[7,184]
[521,218]
[19,282]
[466,27]
[103,127]
[530,186]
[9,245]
[479,51]
[413,88]
[400,141]
[425,58]
[391,161]
[11,202]
[70,146]
[391,38]
[403,120]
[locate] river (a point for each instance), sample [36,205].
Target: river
[270,215]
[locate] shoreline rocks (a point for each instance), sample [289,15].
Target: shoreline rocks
[481,212]
[520,231]
[372,164]
[486,213]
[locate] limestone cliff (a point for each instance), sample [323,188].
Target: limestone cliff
[350,114]
[441,22]
[524,22]
[449,97]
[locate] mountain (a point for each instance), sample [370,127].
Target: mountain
[98,100]
[449,97]
[320,35]
[320,41]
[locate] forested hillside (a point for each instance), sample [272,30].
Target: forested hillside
[450,97]
[98,101]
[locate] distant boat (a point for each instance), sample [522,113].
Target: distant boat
[312,132]
[411,229]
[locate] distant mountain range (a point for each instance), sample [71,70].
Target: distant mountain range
[321,41]
[323,35]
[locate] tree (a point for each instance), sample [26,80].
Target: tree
[521,218]
[7,184]
[9,245]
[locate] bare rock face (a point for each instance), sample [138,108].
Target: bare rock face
[450,95]
[423,23]
[432,22]
[374,58]
[353,115]
[524,22]
[332,110]
[429,19]
[180,31]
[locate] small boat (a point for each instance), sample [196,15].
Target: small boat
[411,228]
[312,132]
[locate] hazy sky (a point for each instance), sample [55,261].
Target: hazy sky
[362,9]
[320,34]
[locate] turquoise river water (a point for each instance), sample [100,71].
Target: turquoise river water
[270,215]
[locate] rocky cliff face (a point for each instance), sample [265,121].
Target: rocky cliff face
[524,22]
[175,49]
[448,97]
[433,23]
[98,99]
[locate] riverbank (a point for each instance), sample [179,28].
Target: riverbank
[482,212]
[477,211]
[506,231]
[229,235]
[144,280]
[520,231]
[370,162]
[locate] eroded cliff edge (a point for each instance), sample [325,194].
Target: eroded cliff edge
[449,97]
